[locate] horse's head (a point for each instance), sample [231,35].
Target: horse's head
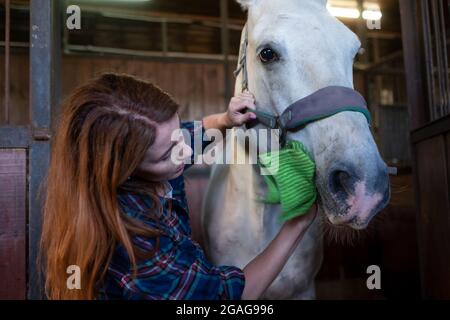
[295,47]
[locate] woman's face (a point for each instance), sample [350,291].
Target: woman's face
[164,160]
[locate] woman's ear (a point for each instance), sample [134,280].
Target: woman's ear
[246,4]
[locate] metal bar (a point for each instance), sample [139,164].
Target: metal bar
[428,57]
[444,55]
[148,54]
[164,38]
[205,21]
[234,24]
[225,45]
[15,44]
[7,57]
[418,116]
[58,24]
[414,68]
[43,71]
[438,50]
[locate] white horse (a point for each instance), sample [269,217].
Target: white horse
[310,49]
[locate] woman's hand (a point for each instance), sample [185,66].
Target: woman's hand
[234,115]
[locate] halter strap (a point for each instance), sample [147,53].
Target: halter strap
[323,103]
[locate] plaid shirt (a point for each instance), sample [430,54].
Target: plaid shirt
[179,269]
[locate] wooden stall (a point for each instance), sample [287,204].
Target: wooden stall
[425,37]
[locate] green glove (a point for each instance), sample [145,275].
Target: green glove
[290,179]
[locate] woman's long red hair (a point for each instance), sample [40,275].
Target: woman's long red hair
[106,127]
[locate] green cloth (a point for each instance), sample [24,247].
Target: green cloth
[289,174]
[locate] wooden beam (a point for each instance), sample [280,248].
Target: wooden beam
[412,55]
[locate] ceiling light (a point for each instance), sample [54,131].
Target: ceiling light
[349,9]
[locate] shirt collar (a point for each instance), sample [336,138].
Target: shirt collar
[169,190]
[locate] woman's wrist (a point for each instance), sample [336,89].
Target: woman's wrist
[220,121]
[300,224]
[225,120]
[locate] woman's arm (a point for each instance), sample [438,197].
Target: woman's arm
[261,271]
[233,116]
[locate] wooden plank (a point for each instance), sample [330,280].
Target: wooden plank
[448,171]
[437,127]
[19,96]
[433,219]
[213,89]
[413,56]
[186,97]
[199,88]
[13,223]
[394,134]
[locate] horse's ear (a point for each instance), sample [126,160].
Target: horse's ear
[245,4]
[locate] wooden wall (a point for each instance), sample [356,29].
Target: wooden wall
[430,145]
[432,154]
[13,200]
[19,89]
[198,87]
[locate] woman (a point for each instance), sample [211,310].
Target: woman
[115,204]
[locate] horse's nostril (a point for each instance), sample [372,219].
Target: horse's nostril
[341,182]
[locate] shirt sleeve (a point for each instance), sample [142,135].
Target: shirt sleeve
[181,272]
[195,138]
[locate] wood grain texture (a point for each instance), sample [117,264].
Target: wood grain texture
[18,89]
[434,224]
[13,223]
[197,87]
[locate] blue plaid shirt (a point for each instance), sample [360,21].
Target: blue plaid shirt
[179,269]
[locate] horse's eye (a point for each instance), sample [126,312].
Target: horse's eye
[268,55]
